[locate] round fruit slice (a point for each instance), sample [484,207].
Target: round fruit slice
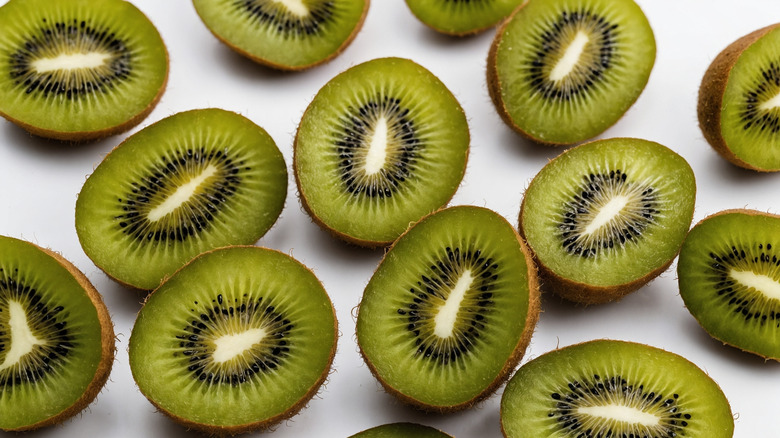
[380,146]
[79,70]
[613,389]
[563,71]
[461,17]
[606,217]
[195,181]
[56,338]
[401,430]
[284,34]
[237,340]
[729,275]
[450,310]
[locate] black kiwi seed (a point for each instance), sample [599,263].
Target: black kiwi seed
[286,23]
[765,88]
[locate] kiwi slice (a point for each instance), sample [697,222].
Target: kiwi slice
[461,17]
[450,310]
[606,217]
[563,71]
[608,388]
[76,70]
[237,340]
[401,430]
[56,338]
[380,146]
[284,34]
[729,275]
[739,101]
[194,181]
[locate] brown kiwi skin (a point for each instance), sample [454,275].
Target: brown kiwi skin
[534,308]
[713,86]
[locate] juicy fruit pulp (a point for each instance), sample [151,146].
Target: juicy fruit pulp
[461,17]
[401,430]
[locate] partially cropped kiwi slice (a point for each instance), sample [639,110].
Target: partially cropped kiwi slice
[729,274]
[563,71]
[608,216]
[380,146]
[450,310]
[401,430]
[192,182]
[615,389]
[56,338]
[79,70]
[237,340]
[461,17]
[284,34]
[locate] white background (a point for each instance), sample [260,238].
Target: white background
[40,180]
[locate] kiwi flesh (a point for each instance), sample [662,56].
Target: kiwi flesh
[739,101]
[235,341]
[380,146]
[284,34]
[450,309]
[563,71]
[401,430]
[461,17]
[606,217]
[75,70]
[56,338]
[194,181]
[607,388]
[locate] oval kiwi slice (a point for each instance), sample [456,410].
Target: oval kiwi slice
[380,146]
[458,17]
[610,388]
[450,310]
[237,340]
[729,275]
[76,70]
[401,430]
[192,182]
[56,338]
[563,71]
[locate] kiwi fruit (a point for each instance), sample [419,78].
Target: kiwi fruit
[607,388]
[461,17]
[401,430]
[606,217]
[235,341]
[380,146]
[450,309]
[284,34]
[194,181]
[563,71]
[76,70]
[739,101]
[729,276]
[56,338]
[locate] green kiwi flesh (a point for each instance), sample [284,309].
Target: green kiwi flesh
[401,430]
[608,388]
[284,34]
[194,181]
[450,310]
[729,276]
[563,71]
[380,146]
[79,70]
[461,17]
[237,340]
[56,338]
[606,217]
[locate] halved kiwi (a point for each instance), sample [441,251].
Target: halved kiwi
[237,340]
[56,338]
[608,388]
[450,310]
[606,217]
[192,182]
[401,430]
[563,71]
[461,17]
[79,70]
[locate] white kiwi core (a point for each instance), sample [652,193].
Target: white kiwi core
[70,61]
[22,338]
[570,58]
[296,7]
[181,195]
[377,150]
[234,345]
[447,314]
[620,413]
[607,213]
[762,283]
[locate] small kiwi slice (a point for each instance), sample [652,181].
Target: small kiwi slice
[608,388]
[401,430]
[284,34]
[461,17]
[77,70]
[237,340]
[606,217]
[56,338]
[194,181]
[739,101]
[729,275]
[450,310]
[563,71]
[380,146]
